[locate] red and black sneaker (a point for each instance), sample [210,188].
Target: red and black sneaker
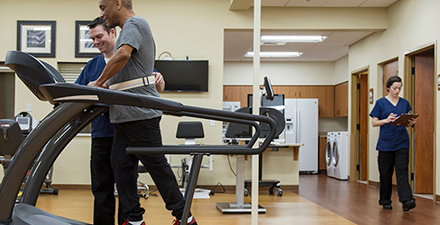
[179,222]
[128,223]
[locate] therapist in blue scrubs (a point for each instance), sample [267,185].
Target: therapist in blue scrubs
[393,145]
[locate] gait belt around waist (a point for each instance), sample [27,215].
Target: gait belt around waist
[138,82]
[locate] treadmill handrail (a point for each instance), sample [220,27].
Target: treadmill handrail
[64,92]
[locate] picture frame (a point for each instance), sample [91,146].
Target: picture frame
[37,38]
[84,47]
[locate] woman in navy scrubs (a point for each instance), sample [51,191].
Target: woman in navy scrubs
[393,145]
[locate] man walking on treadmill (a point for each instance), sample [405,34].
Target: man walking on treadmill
[130,69]
[104,39]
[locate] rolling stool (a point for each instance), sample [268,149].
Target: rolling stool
[190,131]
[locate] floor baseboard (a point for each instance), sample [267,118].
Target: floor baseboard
[216,188]
[82,187]
[374,183]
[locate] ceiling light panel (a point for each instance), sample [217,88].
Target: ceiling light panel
[378,3]
[343,3]
[273,3]
[304,3]
[275,54]
[292,38]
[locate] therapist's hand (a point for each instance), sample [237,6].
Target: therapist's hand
[412,122]
[391,118]
[159,78]
[160,83]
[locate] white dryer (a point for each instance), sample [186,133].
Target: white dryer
[341,155]
[329,154]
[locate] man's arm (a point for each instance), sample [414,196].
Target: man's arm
[114,65]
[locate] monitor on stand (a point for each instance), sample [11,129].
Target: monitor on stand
[268,88]
[235,130]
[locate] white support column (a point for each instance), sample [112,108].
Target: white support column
[256,106]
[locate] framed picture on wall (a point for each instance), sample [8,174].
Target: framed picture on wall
[84,47]
[37,38]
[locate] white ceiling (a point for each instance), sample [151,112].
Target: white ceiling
[238,43]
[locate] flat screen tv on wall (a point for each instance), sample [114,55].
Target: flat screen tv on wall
[184,75]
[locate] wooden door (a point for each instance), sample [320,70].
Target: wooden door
[389,69]
[7,95]
[424,91]
[363,124]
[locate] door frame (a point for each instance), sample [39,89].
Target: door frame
[408,93]
[354,134]
[8,102]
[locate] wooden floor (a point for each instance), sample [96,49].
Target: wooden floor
[321,200]
[359,202]
[280,210]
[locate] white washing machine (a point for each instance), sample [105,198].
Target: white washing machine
[341,155]
[329,154]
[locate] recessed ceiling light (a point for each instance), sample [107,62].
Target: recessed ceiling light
[285,38]
[275,54]
[273,43]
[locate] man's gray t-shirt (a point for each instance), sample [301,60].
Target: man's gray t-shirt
[136,33]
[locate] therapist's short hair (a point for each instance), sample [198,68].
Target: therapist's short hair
[392,80]
[99,21]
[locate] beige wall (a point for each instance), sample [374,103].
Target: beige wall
[341,73]
[192,27]
[409,27]
[281,73]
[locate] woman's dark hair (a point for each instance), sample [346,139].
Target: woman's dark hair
[392,80]
[99,21]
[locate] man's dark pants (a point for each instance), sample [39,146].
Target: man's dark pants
[143,133]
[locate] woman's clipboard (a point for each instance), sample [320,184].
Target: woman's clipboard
[402,120]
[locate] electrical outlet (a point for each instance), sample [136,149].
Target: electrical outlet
[29,107]
[212,123]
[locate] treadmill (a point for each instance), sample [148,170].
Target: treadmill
[75,106]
